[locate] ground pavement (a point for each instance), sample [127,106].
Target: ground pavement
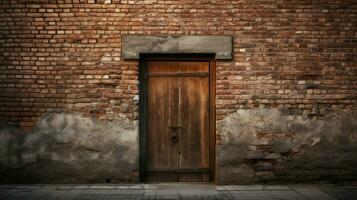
[177,191]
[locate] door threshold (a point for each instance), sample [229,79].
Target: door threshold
[173,183]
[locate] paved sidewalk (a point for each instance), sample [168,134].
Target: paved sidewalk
[177,191]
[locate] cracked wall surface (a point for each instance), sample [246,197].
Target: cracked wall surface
[70,148]
[274,145]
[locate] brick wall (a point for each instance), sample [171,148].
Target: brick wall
[292,58]
[65,55]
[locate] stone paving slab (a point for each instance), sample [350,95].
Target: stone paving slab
[311,192]
[177,192]
[343,193]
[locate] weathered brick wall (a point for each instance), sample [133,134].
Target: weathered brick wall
[65,55]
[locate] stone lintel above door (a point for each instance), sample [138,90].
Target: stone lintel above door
[134,45]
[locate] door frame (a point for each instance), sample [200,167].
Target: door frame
[144,58]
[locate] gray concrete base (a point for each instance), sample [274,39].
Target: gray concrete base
[178,191]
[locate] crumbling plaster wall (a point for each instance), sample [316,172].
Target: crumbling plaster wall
[70,148]
[273,144]
[254,146]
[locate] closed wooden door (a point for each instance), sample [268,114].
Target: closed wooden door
[178,121]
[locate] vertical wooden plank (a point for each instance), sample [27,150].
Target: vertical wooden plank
[162,113]
[194,108]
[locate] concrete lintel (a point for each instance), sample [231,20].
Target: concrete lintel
[221,45]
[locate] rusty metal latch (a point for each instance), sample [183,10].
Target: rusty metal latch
[174,127]
[174,139]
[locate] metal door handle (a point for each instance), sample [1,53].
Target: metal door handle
[174,127]
[174,139]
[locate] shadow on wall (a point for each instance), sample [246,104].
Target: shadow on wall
[69,148]
[273,145]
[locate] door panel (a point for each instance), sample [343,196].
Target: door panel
[194,96]
[178,121]
[162,109]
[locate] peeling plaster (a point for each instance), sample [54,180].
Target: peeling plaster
[70,148]
[291,145]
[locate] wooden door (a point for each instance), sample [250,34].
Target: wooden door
[178,110]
